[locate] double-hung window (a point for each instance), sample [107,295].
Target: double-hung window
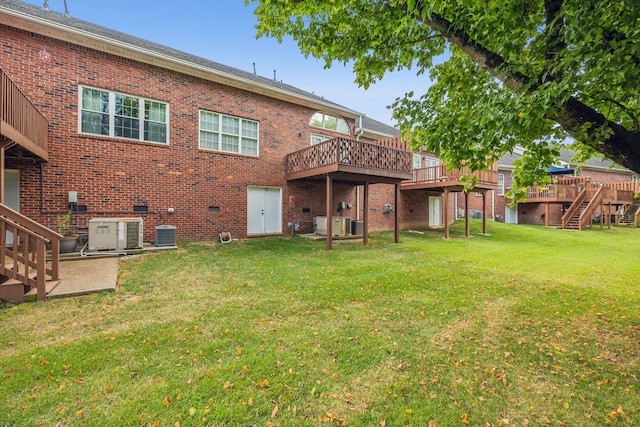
[317,139]
[119,115]
[500,184]
[220,132]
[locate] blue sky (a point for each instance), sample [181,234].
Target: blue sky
[223,31]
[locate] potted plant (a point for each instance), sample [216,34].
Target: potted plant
[69,240]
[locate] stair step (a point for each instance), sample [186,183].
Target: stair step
[48,287]
[12,290]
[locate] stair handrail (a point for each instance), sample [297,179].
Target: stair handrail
[28,223]
[587,213]
[573,208]
[636,217]
[33,257]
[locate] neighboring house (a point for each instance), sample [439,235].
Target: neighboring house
[547,206]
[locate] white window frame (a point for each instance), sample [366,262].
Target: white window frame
[316,138]
[144,122]
[430,162]
[417,161]
[219,132]
[325,120]
[500,184]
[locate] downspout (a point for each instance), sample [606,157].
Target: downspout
[357,203]
[455,206]
[493,204]
[42,187]
[358,130]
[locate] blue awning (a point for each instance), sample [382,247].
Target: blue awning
[557,170]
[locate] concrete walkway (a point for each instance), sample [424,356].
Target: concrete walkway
[85,276]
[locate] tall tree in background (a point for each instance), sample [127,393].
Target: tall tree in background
[501,72]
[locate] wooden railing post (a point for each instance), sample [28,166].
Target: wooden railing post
[27,253]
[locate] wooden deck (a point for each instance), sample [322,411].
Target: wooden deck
[350,160]
[553,193]
[20,121]
[438,178]
[618,193]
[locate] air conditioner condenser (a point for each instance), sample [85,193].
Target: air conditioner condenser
[115,233]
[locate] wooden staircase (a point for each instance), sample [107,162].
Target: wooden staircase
[573,222]
[631,215]
[582,210]
[25,268]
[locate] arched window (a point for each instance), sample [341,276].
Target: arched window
[327,121]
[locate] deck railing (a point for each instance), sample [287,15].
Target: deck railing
[552,192]
[623,192]
[21,115]
[23,252]
[440,174]
[573,180]
[344,151]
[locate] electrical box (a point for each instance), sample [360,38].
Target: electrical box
[115,233]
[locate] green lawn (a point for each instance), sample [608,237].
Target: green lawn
[527,326]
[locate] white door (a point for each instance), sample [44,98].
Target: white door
[511,214]
[435,212]
[12,193]
[264,210]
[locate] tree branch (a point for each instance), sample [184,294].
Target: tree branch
[634,118]
[622,146]
[554,27]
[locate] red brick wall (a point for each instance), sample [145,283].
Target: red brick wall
[112,175]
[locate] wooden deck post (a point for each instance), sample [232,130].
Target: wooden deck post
[466,214]
[329,211]
[365,215]
[396,213]
[2,154]
[484,212]
[445,197]
[546,214]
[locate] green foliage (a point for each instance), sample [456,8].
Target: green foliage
[64,223]
[501,74]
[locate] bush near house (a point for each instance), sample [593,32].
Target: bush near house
[528,326]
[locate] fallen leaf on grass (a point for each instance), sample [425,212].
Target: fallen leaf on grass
[166,401]
[275,411]
[617,413]
[330,418]
[463,419]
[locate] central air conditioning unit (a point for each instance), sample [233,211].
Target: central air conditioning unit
[340,226]
[115,233]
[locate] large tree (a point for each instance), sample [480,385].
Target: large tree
[501,73]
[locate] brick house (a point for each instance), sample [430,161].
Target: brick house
[129,128]
[549,211]
[138,129]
